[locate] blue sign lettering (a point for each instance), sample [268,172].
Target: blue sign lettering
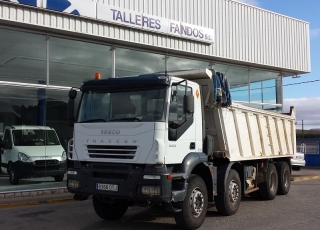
[119,16]
[138,20]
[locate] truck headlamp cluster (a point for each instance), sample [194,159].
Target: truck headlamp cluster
[73,184]
[151,190]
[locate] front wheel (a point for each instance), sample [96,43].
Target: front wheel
[14,180]
[194,207]
[228,202]
[296,168]
[109,209]
[59,178]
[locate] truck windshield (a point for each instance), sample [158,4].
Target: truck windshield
[143,104]
[33,137]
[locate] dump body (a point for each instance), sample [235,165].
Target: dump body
[241,132]
[245,133]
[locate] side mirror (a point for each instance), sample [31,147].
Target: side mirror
[72,96]
[188,103]
[71,112]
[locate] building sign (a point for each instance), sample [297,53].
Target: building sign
[125,17]
[152,23]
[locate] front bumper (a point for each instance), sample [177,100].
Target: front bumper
[41,169]
[129,180]
[298,162]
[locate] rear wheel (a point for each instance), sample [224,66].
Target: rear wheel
[284,178]
[14,180]
[268,189]
[194,207]
[228,203]
[109,209]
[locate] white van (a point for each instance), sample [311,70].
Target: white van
[32,151]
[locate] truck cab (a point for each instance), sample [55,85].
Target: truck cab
[32,151]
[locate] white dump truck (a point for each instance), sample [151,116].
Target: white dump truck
[163,139]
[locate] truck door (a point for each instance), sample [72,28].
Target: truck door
[6,151]
[181,131]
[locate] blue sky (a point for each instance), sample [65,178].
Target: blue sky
[306,96]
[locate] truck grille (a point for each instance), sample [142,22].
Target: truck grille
[111,151]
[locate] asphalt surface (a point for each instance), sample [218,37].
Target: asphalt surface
[61,195]
[297,210]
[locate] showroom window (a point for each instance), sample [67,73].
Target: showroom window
[23,57]
[132,62]
[72,62]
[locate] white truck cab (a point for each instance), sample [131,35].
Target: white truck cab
[32,151]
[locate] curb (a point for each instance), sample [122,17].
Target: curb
[22,204]
[32,193]
[305,178]
[30,203]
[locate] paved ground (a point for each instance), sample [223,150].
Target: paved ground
[306,173]
[58,195]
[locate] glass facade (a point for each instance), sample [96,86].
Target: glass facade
[36,72]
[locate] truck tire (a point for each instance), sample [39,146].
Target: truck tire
[194,207]
[268,189]
[14,180]
[228,202]
[109,209]
[284,177]
[59,178]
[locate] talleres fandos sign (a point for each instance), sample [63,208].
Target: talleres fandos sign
[154,24]
[124,17]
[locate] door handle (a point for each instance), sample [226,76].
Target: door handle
[192,145]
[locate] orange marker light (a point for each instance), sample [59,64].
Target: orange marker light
[97,76]
[169,177]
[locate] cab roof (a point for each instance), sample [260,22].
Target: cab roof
[144,80]
[33,127]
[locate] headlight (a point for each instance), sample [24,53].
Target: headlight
[24,157]
[63,156]
[151,190]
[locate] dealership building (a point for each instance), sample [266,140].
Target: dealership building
[49,46]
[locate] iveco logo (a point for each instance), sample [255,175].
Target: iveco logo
[110,131]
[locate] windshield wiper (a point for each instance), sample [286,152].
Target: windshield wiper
[127,119]
[93,120]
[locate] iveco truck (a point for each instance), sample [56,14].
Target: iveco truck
[164,139]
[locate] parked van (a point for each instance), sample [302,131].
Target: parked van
[32,151]
[298,160]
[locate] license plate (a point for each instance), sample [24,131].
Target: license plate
[107,187]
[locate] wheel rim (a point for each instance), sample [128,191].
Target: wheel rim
[196,202]
[286,178]
[12,174]
[272,181]
[233,191]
